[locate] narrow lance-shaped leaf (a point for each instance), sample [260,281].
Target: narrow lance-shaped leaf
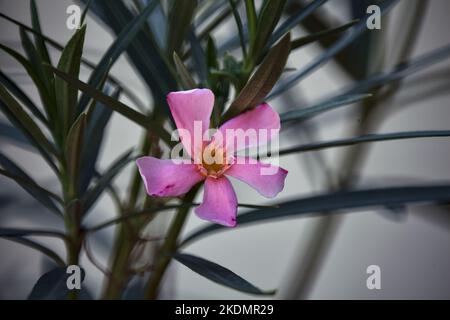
[149,60]
[86,62]
[268,18]
[185,78]
[66,95]
[16,136]
[302,41]
[120,44]
[14,172]
[198,56]
[22,96]
[295,18]
[218,274]
[211,54]
[117,106]
[105,180]
[92,104]
[39,247]
[238,20]
[39,41]
[329,203]
[34,58]
[208,8]
[340,45]
[19,125]
[43,93]
[398,72]
[85,11]
[263,79]
[39,193]
[74,147]
[365,139]
[14,232]
[180,19]
[214,23]
[401,70]
[31,129]
[97,121]
[308,112]
[252,20]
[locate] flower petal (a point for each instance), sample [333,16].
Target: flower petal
[267,179]
[188,107]
[164,178]
[219,202]
[261,122]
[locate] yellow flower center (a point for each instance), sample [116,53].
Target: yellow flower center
[214,161]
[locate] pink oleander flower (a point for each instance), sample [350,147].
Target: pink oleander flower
[166,178]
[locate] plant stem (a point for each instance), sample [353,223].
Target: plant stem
[75,238]
[122,250]
[123,243]
[169,246]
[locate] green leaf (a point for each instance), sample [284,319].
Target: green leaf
[149,60]
[295,18]
[365,139]
[120,44]
[66,95]
[98,118]
[53,286]
[39,41]
[86,62]
[85,11]
[105,180]
[16,136]
[44,95]
[14,172]
[39,247]
[300,42]
[211,54]
[32,129]
[337,47]
[13,232]
[309,112]
[207,9]
[198,56]
[117,106]
[238,20]
[214,22]
[329,203]
[185,78]
[218,274]
[37,192]
[252,20]
[180,18]
[262,80]
[22,96]
[268,18]
[19,117]
[74,146]
[34,58]
[401,70]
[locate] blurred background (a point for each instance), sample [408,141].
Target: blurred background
[411,247]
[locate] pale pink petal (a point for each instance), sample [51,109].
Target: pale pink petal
[254,127]
[164,178]
[267,179]
[219,202]
[190,107]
